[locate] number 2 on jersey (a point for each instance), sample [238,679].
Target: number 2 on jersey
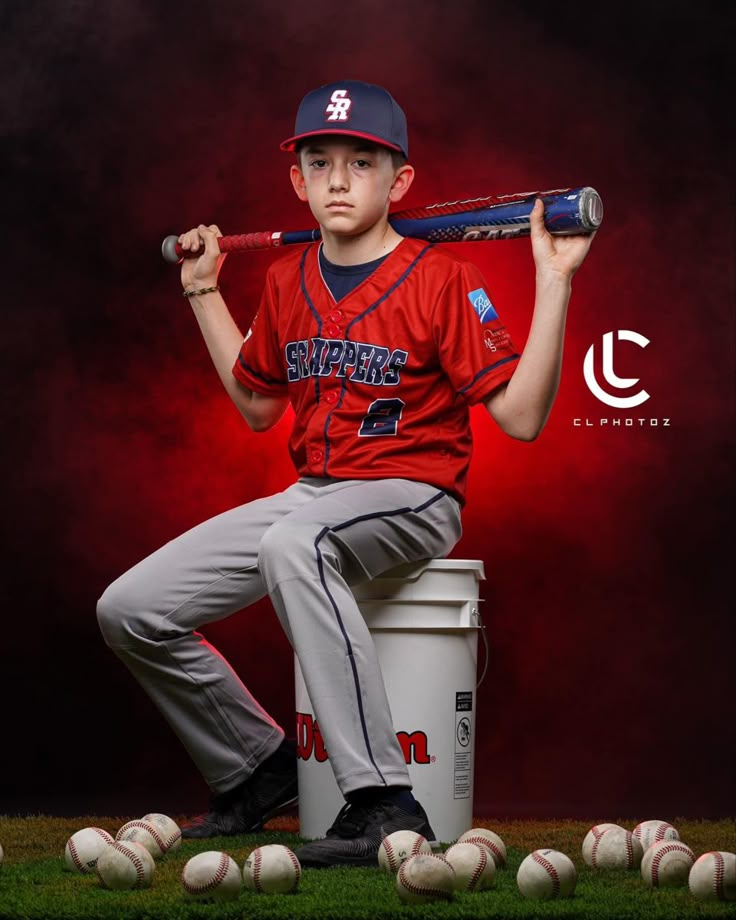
[382,418]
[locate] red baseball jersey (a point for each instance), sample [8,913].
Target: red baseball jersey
[381,382]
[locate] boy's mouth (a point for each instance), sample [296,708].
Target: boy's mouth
[339,204]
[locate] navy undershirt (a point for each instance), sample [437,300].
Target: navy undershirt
[342,279]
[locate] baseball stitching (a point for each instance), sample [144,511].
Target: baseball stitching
[657,858]
[77,861]
[479,869]
[73,848]
[597,834]
[170,840]
[389,848]
[222,868]
[489,844]
[296,864]
[550,869]
[718,874]
[257,860]
[662,829]
[417,889]
[151,830]
[128,851]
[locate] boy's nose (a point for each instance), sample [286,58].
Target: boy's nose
[339,179]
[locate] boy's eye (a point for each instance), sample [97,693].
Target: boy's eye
[362,163]
[318,163]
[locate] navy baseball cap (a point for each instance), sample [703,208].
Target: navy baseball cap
[355,109]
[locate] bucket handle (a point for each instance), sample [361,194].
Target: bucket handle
[484,634]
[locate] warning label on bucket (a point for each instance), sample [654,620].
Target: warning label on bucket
[463,744]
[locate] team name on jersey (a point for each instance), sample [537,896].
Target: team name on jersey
[361,362]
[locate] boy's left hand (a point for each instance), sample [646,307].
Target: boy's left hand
[561,255]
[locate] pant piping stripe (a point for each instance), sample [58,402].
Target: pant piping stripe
[320,568]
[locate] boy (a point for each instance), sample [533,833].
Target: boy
[380,344]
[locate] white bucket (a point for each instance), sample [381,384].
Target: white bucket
[424,621]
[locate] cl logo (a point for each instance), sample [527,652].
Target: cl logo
[621,383]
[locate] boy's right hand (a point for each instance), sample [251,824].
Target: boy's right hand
[203,271]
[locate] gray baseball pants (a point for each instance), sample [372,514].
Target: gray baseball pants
[303,547]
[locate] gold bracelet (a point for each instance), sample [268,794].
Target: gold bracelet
[208,290]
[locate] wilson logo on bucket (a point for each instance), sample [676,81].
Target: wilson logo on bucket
[309,742]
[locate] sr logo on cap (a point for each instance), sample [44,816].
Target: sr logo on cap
[339,106]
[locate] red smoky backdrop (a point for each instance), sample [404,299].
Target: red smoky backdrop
[609,599]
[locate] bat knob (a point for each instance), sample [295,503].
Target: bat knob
[169,249]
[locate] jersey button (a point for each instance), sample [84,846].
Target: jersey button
[336,316]
[333,330]
[317,456]
[331,397]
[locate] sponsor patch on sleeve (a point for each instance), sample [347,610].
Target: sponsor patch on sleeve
[481,303]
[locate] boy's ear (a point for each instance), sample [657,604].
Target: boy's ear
[297,180]
[402,183]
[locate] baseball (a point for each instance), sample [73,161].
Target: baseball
[400,845]
[473,866]
[489,840]
[145,833]
[713,877]
[2,854]
[212,876]
[169,830]
[667,864]
[546,874]
[592,837]
[422,879]
[616,848]
[84,847]
[272,869]
[124,864]
[649,832]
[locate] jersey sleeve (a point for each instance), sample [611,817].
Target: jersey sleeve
[259,365]
[475,348]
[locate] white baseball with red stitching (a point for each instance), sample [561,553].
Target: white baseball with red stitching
[713,877]
[592,837]
[168,829]
[488,839]
[144,833]
[272,869]
[399,846]
[616,848]
[84,847]
[423,879]
[212,876]
[473,865]
[667,864]
[546,874]
[124,864]
[653,831]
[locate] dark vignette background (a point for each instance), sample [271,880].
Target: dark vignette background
[610,592]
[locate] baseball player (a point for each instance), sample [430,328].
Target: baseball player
[380,344]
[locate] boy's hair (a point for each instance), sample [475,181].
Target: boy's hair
[397,157]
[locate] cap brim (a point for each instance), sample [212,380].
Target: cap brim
[291,143]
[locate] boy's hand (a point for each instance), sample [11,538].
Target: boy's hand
[202,272]
[560,255]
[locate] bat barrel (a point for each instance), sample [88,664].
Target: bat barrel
[578,210]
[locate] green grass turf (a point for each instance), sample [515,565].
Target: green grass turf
[34,885]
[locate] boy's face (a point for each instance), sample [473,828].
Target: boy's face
[349,183]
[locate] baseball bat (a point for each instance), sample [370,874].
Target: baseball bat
[496,217]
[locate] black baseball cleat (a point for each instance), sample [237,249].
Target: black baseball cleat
[355,837]
[247,807]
